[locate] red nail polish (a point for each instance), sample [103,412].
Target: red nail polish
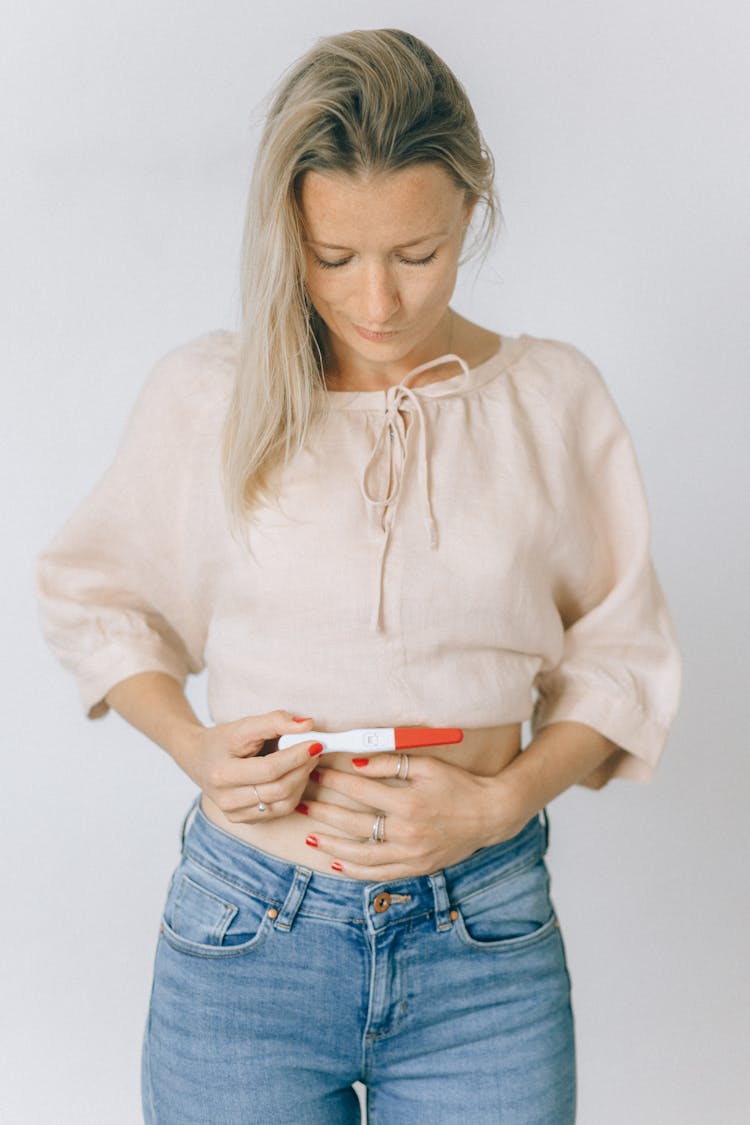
[337,866]
[302,807]
[360,761]
[316,748]
[315,775]
[312,841]
[307,720]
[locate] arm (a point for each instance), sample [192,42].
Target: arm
[221,760]
[561,755]
[155,704]
[124,598]
[617,668]
[116,587]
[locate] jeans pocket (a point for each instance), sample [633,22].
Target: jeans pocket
[507,913]
[208,915]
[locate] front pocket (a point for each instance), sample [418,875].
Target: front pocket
[513,911]
[209,916]
[200,915]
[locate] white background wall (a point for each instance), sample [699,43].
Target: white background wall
[620,132]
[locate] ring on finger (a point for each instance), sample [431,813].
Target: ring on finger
[377,835]
[261,806]
[402,767]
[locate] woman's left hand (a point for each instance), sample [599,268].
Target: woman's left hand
[438,817]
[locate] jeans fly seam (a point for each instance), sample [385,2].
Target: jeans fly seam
[366,1037]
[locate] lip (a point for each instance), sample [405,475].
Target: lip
[375,337]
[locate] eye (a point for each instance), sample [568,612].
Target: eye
[419,261]
[324,265]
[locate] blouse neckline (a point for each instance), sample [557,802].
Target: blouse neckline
[508,352]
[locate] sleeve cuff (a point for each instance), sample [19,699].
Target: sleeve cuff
[640,736]
[107,667]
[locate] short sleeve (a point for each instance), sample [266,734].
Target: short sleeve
[117,586]
[619,670]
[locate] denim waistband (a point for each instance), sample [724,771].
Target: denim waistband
[290,888]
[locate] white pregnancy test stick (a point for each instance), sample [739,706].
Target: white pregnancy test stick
[375,739]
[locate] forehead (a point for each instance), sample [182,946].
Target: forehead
[339,208]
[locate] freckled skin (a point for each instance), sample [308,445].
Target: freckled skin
[381,229]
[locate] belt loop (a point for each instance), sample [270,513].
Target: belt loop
[293,899]
[443,920]
[545,824]
[185,826]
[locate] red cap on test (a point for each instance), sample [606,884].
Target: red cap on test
[407,738]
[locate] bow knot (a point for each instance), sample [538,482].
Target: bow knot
[391,452]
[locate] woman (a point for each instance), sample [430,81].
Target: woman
[364,510]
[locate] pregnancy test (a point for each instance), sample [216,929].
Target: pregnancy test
[375,739]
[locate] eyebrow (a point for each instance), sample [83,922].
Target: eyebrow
[401,245]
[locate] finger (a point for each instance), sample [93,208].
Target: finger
[244,792]
[365,790]
[248,734]
[354,851]
[302,756]
[354,824]
[252,813]
[382,873]
[387,765]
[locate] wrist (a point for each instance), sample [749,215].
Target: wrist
[182,744]
[505,809]
[557,757]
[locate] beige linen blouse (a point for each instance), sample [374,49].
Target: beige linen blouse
[470,552]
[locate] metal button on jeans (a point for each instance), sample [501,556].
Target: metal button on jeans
[381,902]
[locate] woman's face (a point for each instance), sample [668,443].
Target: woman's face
[381,258]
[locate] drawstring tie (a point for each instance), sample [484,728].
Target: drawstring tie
[392,455]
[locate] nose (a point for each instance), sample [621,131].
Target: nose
[380,299]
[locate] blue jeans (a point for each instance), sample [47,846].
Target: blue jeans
[275,988]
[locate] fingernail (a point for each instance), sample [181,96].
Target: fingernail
[337,866]
[312,841]
[314,774]
[360,761]
[307,720]
[316,748]
[302,807]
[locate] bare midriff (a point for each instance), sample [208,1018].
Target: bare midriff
[485,751]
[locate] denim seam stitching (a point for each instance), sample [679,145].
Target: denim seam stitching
[400,921]
[229,910]
[204,890]
[506,945]
[333,918]
[237,884]
[198,949]
[509,873]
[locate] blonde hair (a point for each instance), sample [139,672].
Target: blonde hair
[364,102]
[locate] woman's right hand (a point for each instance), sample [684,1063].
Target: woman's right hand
[222,761]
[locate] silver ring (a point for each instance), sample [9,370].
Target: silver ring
[402,769]
[261,806]
[377,835]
